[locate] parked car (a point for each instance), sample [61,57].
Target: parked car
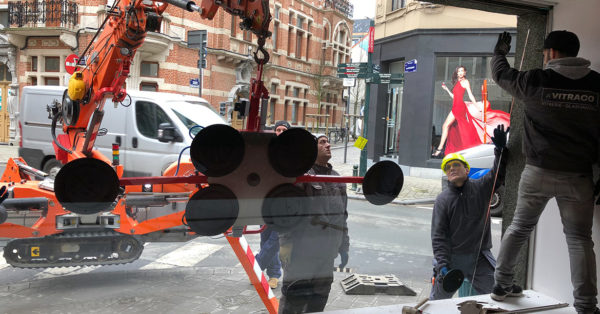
[134,125]
[481,159]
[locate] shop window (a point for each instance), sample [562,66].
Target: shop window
[5,73]
[51,64]
[149,69]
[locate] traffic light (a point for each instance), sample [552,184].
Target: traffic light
[197,39]
[203,51]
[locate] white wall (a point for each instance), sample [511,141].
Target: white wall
[551,274]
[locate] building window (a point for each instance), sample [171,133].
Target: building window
[272,111]
[296,92]
[149,69]
[295,107]
[273,89]
[300,22]
[398,4]
[276,12]
[51,64]
[149,86]
[274,37]
[247,35]
[53,81]
[233,26]
[328,99]
[34,80]
[289,48]
[299,37]
[4,18]
[304,113]
[287,90]
[305,91]
[34,63]
[285,109]
[291,22]
[5,73]
[308,38]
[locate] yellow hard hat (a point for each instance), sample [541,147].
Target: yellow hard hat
[454,156]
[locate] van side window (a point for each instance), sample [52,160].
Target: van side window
[148,116]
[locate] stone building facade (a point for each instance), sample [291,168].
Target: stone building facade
[309,39]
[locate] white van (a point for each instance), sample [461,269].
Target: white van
[134,128]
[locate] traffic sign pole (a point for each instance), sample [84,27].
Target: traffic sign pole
[363,153]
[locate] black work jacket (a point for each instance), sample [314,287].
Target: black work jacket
[562,115]
[460,213]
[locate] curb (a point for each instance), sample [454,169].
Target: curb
[399,202]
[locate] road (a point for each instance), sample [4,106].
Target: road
[203,275]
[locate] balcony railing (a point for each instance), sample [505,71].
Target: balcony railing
[342,6]
[49,13]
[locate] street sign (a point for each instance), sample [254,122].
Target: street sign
[410,66]
[194,83]
[361,75]
[353,65]
[376,68]
[349,82]
[71,63]
[385,78]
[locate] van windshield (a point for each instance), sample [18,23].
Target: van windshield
[196,114]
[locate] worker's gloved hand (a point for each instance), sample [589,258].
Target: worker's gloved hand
[443,271]
[499,137]
[344,259]
[3,194]
[503,44]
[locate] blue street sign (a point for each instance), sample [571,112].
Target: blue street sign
[194,83]
[410,66]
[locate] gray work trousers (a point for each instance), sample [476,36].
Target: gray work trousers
[574,195]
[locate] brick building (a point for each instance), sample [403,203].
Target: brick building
[309,39]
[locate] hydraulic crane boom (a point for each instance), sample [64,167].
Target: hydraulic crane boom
[111,52]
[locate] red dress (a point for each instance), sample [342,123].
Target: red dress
[462,133]
[493,118]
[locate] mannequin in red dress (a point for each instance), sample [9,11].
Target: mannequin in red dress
[459,128]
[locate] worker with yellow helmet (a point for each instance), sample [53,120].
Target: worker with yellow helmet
[460,220]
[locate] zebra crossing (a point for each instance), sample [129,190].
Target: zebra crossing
[199,252]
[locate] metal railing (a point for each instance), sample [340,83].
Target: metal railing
[49,13]
[342,6]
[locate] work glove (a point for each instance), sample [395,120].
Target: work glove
[344,259]
[3,194]
[597,191]
[444,271]
[499,138]
[503,44]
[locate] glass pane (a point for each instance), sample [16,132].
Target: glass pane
[51,64]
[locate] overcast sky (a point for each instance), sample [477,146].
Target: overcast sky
[363,8]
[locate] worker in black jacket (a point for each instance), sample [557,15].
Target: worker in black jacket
[308,252]
[460,223]
[562,130]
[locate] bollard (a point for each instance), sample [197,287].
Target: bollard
[354,174]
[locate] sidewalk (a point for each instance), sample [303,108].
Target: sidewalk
[414,190]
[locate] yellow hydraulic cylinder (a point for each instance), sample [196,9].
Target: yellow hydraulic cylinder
[76,89]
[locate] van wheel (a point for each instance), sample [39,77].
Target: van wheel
[495,205]
[51,167]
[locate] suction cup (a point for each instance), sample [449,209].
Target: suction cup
[284,207]
[86,186]
[217,150]
[293,152]
[212,210]
[382,182]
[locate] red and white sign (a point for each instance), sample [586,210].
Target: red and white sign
[71,63]
[371,38]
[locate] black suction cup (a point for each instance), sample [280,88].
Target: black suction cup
[453,280]
[217,150]
[382,182]
[86,186]
[293,152]
[211,210]
[284,207]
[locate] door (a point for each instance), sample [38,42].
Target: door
[394,112]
